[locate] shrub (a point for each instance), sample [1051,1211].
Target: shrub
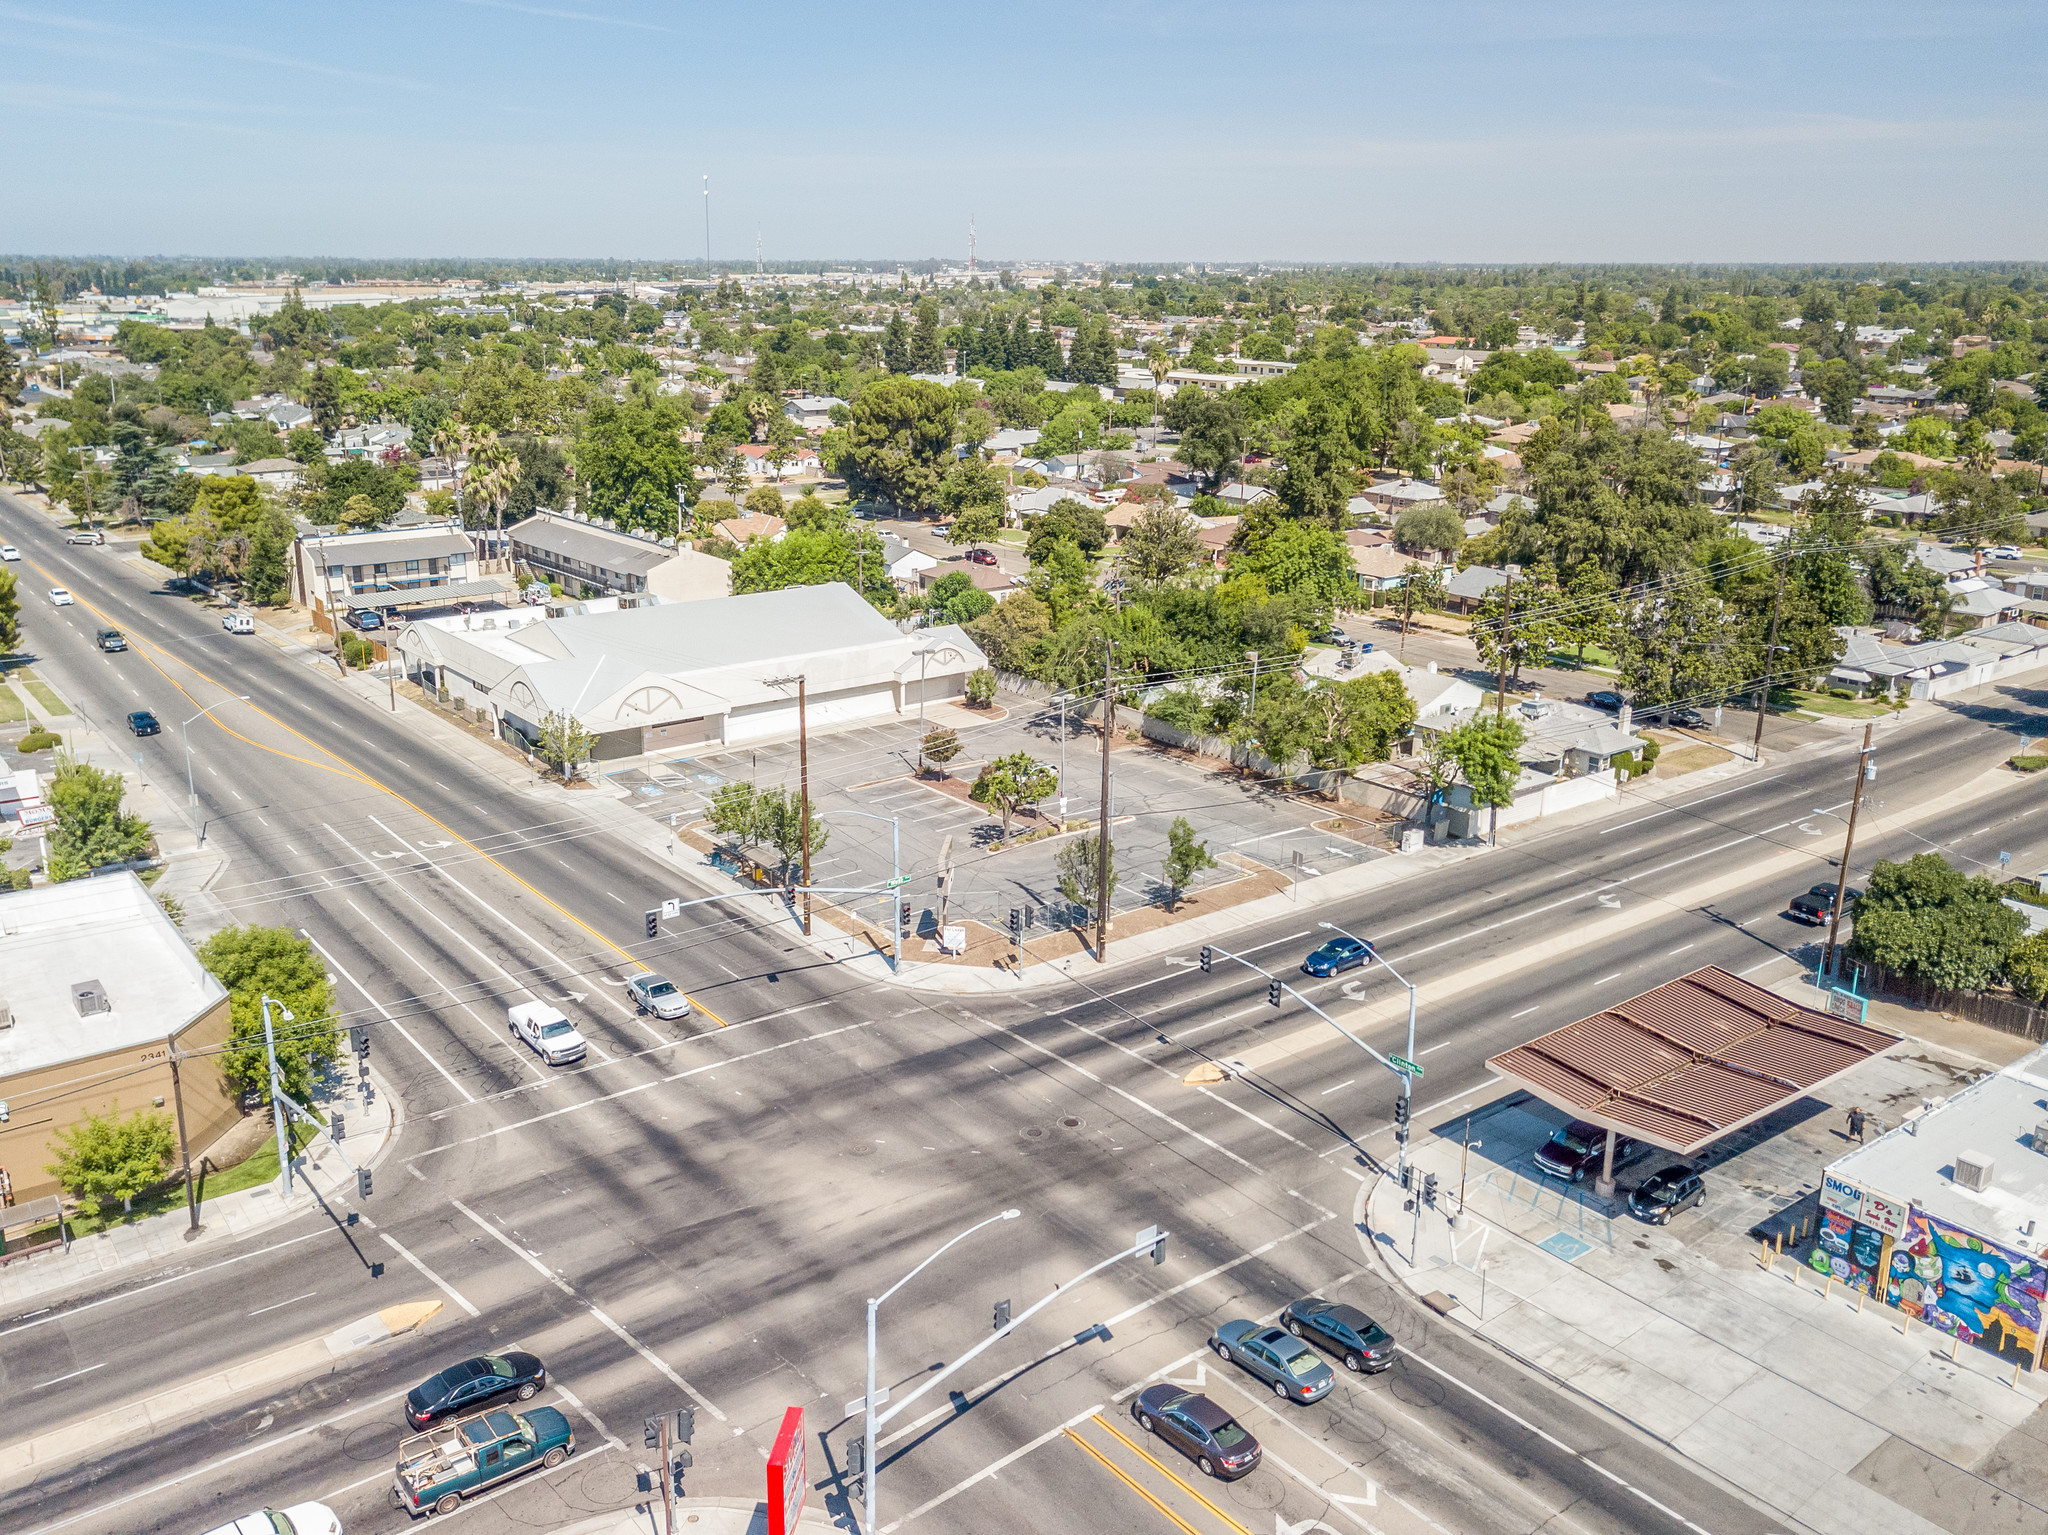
[1181,708]
[40,741]
[2027,764]
[2026,967]
[981,687]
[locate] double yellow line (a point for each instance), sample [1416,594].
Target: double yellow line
[1118,1472]
[346,769]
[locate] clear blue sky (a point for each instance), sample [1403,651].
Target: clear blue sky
[1125,130]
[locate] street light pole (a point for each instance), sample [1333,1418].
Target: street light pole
[191,789]
[277,1114]
[1102,831]
[1770,655]
[1407,1081]
[803,758]
[874,1461]
[1863,766]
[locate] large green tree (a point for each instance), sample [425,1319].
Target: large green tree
[1625,501]
[109,1156]
[814,557]
[91,830]
[898,438]
[252,962]
[1927,920]
[1678,642]
[631,461]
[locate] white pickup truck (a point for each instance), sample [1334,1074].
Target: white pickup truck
[548,1030]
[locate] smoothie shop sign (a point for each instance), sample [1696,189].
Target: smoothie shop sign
[1887,1217]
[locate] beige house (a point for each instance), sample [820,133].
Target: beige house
[100,996]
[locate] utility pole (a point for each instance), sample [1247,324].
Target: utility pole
[1763,696]
[707,227]
[668,1480]
[184,1146]
[1102,833]
[1827,964]
[803,761]
[277,1113]
[1507,618]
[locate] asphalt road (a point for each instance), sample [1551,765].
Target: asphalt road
[699,1211]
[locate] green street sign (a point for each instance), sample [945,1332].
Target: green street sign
[899,880]
[1401,1063]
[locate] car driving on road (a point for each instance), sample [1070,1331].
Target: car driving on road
[1362,1343]
[59,597]
[143,723]
[1293,1369]
[981,557]
[299,1519]
[658,995]
[1603,699]
[1816,907]
[9,552]
[465,1387]
[1337,954]
[1201,1430]
[238,622]
[110,639]
[86,536]
[548,1031]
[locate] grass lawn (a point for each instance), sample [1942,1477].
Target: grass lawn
[1822,703]
[251,1173]
[41,692]
[12,710]
[1597,658]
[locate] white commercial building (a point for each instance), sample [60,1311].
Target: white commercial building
[649,676]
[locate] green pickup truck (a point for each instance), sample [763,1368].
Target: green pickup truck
[438,1469]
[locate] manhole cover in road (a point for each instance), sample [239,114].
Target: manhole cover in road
[1262,1491]
[1357,1427]
[1417,1391]
[370,1442]
[1034,1133]
[860,1149]
[1071,1123]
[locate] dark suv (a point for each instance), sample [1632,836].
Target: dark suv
[1577,1149]
[1663,1194]
[110,639]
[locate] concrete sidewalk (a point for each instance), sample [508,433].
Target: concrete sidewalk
[699,1516]
[320,1181]
[1844,1416]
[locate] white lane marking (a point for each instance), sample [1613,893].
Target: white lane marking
[987,1471]
[1434,1048]
[1679,950]
[433,1278]
[1752,970]
[108,1300]
[72,1376]
[661,1365]
[1338,1088]
[280,1305]
[614,897]
[403,1032]
[1606,978]
[1431,1108]
[292,850]
[1525,1012]
[1690,804]
[1221,1268]
[595,1421]
[1506,1412]
[260,818]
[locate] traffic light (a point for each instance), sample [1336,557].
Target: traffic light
[906,914]
[362,1183]
[1407,1177]
[654,924]
[1208,959]
[1429,1189]
[1017,923]
[651,1433]
[686,1424]
[1273,991]
[1159,1251]
[361,1037]
[1002,1315]
[336,1129]
[1401,1110]
[856,1456]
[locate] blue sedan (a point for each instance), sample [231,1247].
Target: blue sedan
[1295,1371]
[1338,954]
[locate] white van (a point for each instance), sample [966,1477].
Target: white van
[548,1030]
[238,622]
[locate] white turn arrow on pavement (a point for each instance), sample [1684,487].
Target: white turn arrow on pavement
[1201,1378]
[443,843]
[574,996]
[388,855]
[1354,990]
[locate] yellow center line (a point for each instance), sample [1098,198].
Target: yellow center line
[1118,1472]
[348,769]
[1156,1466]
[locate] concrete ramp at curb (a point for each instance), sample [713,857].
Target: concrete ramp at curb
[153,1414]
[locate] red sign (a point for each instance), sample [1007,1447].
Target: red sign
[786,1485]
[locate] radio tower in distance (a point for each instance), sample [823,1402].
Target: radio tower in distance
[970,245]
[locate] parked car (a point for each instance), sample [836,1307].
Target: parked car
[658,995]
[1201,1430]
[110,640]
[1333,636]
[87,536]
[1816,907]
[1579,1148]
[143,723]
[238,622]
[299,1519]
[9,552]
[1663,1194]
[1686,717]
[1603,699]
[2002,552]
[981,557]
[548,1031]
[59,597]
[1337,954]
[466,1387]
[438,1469]
[365,619]
[1295,1371]
[1361,1342]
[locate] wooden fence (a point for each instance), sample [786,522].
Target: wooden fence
[2008,1014]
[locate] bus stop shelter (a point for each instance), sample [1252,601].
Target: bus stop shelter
[1688,1062]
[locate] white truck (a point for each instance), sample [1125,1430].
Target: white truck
[548,1030]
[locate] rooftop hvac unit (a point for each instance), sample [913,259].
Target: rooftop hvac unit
[7,1019]
[90,997]
[1973,1170]
[2040,1130]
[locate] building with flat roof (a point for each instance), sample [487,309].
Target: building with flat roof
[594,559]
[98,990]
[649,676]
[385,565]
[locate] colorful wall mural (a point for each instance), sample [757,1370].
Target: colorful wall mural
[1966,1287]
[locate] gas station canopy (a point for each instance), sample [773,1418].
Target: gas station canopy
[1686,1063]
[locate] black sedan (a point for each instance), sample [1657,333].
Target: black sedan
[1611,702]
[1364,1344]
[467,1386]
[1338,954]
[143,723]
[1204,1432]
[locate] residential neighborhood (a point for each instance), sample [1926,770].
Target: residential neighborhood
[721,815]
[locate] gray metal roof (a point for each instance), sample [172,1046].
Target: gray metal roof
[596,546]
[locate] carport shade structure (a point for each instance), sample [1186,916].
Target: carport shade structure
[1684,1064]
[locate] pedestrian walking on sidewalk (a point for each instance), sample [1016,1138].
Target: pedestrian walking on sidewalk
[1856,1123]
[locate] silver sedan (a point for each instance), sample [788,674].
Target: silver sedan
[658,995]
